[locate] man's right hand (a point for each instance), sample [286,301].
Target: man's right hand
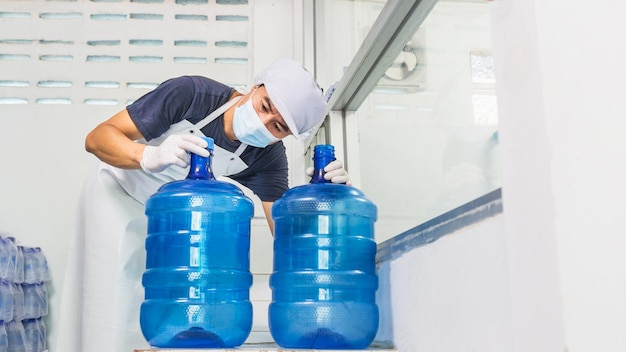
[174,150]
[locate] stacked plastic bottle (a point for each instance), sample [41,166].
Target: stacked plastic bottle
[324,280]
[23,297]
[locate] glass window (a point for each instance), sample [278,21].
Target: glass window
[427,130]
[340,28]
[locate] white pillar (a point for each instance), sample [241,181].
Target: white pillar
[560,73]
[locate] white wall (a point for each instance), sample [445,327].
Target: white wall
[554,263]
[451,295]
[528,171]
[561,76]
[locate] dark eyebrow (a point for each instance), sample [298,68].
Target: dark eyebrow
[272,109]
[284,126]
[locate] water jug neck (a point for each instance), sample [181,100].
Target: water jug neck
[323,154]
[200,167]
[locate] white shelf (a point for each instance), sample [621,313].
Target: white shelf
[258,348]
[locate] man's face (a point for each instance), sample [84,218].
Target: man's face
[268,113]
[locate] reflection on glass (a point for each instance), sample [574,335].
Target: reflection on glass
[482,65]
[428,131]
[485,109]
[342,26]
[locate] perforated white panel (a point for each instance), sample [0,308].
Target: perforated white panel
[110,52]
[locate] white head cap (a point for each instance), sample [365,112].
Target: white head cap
[295,94]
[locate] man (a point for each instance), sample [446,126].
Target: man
[146,145]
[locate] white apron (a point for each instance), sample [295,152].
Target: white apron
[107,256]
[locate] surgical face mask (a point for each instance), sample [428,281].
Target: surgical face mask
[248,127]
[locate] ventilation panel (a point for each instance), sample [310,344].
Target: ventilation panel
[110,52]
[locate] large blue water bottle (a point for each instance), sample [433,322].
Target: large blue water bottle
[197,277]
[324,280]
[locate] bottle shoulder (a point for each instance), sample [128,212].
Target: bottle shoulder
[322,197]
[328,188]
[203,191]
[200,185]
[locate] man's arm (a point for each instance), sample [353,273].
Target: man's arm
[267,208]
[112,141]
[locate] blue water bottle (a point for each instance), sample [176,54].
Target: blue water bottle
[324,279]
[197,277]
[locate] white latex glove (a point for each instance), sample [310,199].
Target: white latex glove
[334,172]
[174,150]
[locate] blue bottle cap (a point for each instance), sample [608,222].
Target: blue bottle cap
[210,142]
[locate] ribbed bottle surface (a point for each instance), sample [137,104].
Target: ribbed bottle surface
[197,277]
[324,279]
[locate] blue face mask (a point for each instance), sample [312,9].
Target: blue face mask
[248,127]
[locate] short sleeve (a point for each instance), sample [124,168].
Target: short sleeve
[187,97]
[157,110]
